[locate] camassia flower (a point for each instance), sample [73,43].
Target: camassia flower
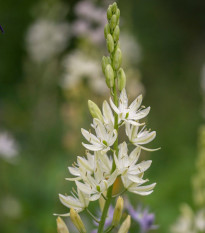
[82,166]
[78,201]
[139,138]
[135,187]
[104,139]
[96,185]
[127,166]
[131,114]
[88,166]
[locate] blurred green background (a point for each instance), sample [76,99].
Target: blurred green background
[171,35]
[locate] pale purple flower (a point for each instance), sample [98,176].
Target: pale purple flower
[142,217]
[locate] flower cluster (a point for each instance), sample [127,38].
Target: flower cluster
[106,160]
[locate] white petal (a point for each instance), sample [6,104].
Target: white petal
[95,197]
[146,138]
[74,179]
[143,190]
[136,104]
[114,107]
[70,201]
[112,178]
[132,122]
[93,147]
[83,187]
[141,114]
[123,100]
[74,171]
[134,155]
[128,129]
[90,137]
[122,149]
[62,215]
[136,179]
[84,198]
[148,149]
[113,139]
[84,163]
[141,167]
[107,112]
[100,129]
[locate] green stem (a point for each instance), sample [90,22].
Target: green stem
[92,216]
[109,229]
[109,192]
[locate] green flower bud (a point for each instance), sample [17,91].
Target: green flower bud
[121,79]
[94,110]
[117,59]
[106,30]
[105,62]
[113,22]
[109,74]
[125,225]
[109,12]
[116,33]
[61,226]
[75,218]
[118,13]
[114,7]
[110,43]
[118,211]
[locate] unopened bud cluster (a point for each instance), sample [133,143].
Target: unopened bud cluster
[111,65]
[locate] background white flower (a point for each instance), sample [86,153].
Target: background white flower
[46,39]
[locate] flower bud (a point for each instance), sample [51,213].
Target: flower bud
[61,226]
[109,74]
[75,218]
[105,62]
[113,22]
[118,211]
[116,33]
[106,30]
[118,13]
[121,79]
[117,59]
[94,110]
[114,7]
[110,43]
[109,12]
[125,225]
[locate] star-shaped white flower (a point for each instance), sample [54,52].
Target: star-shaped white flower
[139,138]
[82,167]
[131,114]
[87,166]
[127,166]
[78,201]
[96,185]
[136,187]
[104,139]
